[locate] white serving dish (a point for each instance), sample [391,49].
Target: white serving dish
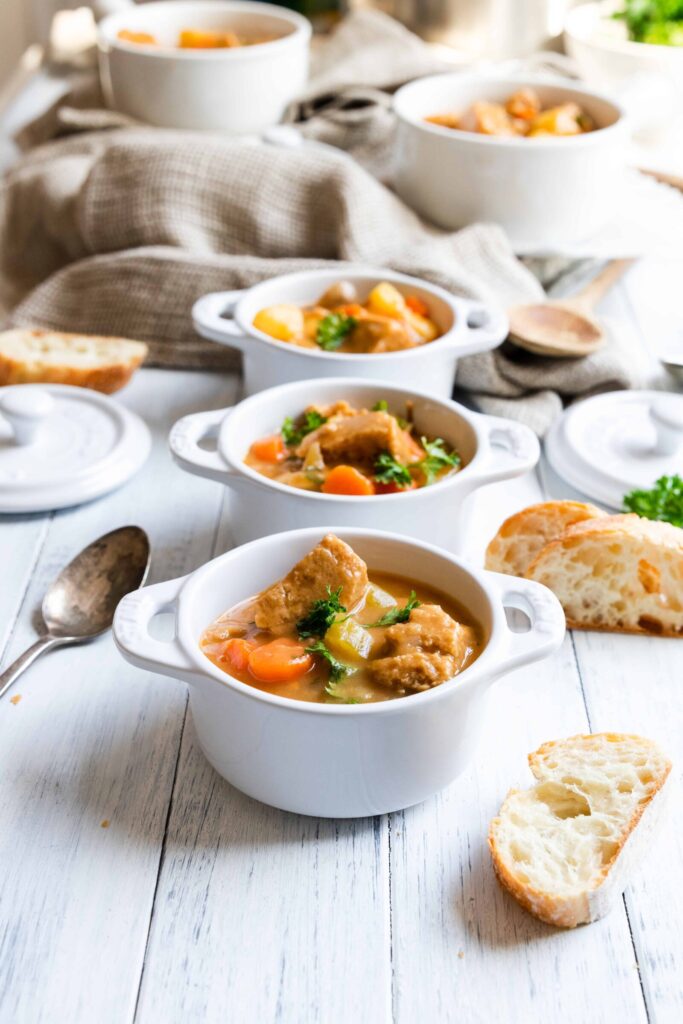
[491,448]
[608,59]
[324,760]
[468,327]
[240,90]
[545,192]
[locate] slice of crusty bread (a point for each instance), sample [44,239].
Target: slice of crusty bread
[565,848]
[522,536]
[618,573]
[51,357]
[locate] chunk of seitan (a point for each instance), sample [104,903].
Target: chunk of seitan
[361,438]
[331,564]
[428,649]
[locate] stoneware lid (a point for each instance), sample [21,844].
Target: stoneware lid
[60,446]
[614,443]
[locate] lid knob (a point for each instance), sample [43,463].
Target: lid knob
[25,407]
[666,414]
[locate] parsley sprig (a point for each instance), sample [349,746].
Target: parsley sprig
[333,329]
[436,459]
[389,471]
[662,502]
[321,614]
[294,433]
[337,669]
[395,615]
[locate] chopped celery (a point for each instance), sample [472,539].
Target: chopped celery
[348,640]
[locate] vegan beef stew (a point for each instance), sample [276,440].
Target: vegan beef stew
[521,115]
[331,633]
[338,449]
[386,321]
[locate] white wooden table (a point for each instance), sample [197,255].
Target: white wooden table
[136,885]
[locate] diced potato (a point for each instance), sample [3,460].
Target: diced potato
[378,598]
[422,325]
[492,119]
[562,120]
[348,640]
[283,322]
[386,300]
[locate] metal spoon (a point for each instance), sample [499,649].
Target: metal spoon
[81,602]
[564,328]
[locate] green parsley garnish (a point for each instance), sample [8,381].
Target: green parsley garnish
[395,615]
[653,21]
[436,459]
[381,406]
[337,669]
[663,502]
[321,614]
[389,471]
[294,433]
[333,329]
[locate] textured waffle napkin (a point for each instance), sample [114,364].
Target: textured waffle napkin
[115,228]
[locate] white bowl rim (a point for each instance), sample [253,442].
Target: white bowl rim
[581,26]
[518,80]
[420,493]
[108,27]
[457,303]
[471,675]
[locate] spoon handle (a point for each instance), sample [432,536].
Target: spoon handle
[589,296]
[11,674]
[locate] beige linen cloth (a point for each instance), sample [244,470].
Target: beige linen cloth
[115,228]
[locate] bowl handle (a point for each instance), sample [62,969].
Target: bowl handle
[487,327]
[512,449]
[211,316]
[545,613]
[131,630]
[184,442]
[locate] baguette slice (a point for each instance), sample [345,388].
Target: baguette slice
[522,536]
[51,357]
[565,848]
[620,573]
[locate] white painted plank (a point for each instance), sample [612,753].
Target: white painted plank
[94,739]
[262,915]
[463,950]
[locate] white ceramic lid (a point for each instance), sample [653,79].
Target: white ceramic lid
[60,446]
[614,443]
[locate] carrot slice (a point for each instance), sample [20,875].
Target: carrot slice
[347,480]
[198,39]
[280,661]
[236,652]
[269,449]
[415,303]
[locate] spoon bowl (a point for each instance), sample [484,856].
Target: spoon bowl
[80,604]
[555,329]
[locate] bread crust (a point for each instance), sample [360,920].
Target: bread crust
[525,533]
[586,906]
[110,376]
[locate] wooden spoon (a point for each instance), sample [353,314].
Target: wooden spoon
[565,328]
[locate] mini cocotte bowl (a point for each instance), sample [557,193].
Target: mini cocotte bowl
[322,759]
[490,448]
[467,327]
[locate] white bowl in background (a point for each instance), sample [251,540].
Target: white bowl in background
[467,326]
[491,449]
[545,192]
[608,59]
[319,759]
[238,90]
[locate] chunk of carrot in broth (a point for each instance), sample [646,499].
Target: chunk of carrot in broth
[269,449]
[236,653]
[417,305]
[347,480]
[280,661]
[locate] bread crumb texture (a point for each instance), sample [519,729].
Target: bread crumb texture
[554,845]
[16,698]
[52,357]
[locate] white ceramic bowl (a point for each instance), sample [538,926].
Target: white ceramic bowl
[491,448]
[608,59]
[467,326]
[544,191]
[325,760]
[240,90]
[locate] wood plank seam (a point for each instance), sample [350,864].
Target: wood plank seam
[39,546]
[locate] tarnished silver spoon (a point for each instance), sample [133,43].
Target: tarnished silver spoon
[81,602]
